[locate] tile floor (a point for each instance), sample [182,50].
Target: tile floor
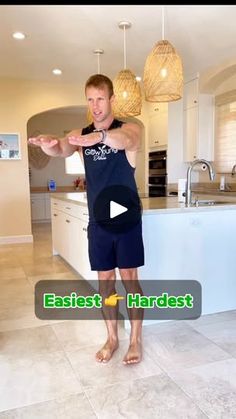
[48,370]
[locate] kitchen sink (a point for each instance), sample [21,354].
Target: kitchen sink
[211,202]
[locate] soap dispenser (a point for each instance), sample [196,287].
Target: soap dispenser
[222,183]
[52,185]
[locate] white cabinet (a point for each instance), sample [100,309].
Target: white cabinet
[189,237]
[190,96]
[72,243]
[57,232]
[37,208]
[47,206]
[40,207]
[69,235]
[190,133]
[85,266]
[158,126]
[198,130]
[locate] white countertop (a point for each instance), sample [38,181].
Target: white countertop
[158,204]
[79,198]
[171,205]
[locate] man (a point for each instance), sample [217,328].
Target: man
[108,148]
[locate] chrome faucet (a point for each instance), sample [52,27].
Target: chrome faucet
[188,197]
[233,170]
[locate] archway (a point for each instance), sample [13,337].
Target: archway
[58,122]
[213,78]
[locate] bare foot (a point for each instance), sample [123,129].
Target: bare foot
[134,354]
[106,352]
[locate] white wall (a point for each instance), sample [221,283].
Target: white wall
[19,101]
[226,86]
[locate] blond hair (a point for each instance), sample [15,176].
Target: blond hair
[99,81]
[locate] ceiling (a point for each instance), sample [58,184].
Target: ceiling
[65,37]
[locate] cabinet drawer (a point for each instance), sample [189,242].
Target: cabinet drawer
[56,204]
[83,213]
[70,208]
[35,196]
[65,206]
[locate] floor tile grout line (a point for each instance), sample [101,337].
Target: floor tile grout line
[218,322]
[91,404]
[210,340]
[218,345]
[123,381]
[188,395]
[196,365]
[72,369]
[90,346]
[86,390]
[75,374]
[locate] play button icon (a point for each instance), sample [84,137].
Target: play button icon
[117,208]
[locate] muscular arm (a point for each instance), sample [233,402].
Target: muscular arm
[128,137]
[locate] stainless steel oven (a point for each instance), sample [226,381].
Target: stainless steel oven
[157,177]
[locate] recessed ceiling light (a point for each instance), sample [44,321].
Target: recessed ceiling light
[57,71]
[18,35]
[138,78]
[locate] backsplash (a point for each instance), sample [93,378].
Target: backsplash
[205,186]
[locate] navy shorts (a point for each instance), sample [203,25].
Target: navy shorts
[109,250]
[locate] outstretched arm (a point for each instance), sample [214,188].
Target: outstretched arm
[128,138]
[55,146]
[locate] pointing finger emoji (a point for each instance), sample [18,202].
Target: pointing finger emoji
[112,300]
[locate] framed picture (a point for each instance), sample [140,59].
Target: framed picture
[10,147]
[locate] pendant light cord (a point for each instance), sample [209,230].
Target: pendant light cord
[163,23]
[98,52]
[125,48]
[98,63]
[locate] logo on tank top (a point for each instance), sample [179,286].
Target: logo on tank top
[100,153]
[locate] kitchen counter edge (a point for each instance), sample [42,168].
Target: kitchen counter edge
[149,205]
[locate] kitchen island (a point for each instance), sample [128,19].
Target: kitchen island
[195,243]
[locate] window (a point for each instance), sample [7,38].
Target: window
[225,156]
[74,165]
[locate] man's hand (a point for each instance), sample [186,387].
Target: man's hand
[85,140]
[45,141]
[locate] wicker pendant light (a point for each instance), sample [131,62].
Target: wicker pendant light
[128,98]
[98,53]
[163,72]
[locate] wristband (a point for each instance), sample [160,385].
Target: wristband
[103,136]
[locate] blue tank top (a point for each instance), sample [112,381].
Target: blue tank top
[104,167]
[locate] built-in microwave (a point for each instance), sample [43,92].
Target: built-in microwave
[157,176]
